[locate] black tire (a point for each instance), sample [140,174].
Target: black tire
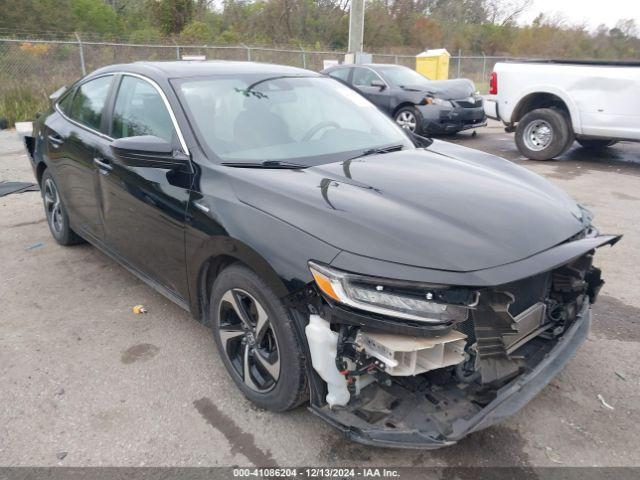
[56,212]
[409,112]
[290,388]
[593,144]
[543,134]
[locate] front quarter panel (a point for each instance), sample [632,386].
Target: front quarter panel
[219,225]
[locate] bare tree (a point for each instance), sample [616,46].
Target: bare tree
[504,12]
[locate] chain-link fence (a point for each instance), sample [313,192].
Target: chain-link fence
[31,69]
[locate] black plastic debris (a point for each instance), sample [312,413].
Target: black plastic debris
[7,188]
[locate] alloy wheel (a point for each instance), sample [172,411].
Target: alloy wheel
[53,207]
[249,340]
[538,135]
[407,120]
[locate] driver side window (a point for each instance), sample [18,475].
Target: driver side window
[140,110]
[362,77]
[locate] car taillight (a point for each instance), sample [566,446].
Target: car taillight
[493,84]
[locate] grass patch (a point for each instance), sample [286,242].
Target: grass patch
[21,103]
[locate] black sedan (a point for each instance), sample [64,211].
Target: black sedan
[412,291]
[428,107]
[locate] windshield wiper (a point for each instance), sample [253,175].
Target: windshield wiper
[274,164]
[380,150]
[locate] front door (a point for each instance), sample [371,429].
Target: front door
[144,208]
[362,78]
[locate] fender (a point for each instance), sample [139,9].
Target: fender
[213,255]
[252,237]
[506,112]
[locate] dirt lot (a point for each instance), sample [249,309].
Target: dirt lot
[84,381]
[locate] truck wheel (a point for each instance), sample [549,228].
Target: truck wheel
[595,144]
[543,134]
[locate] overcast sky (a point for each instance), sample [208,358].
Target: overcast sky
[591,12]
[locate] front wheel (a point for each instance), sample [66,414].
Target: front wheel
[595,144]
[409,118]
[257,341]
[543,134]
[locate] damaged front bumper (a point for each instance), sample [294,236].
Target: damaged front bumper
[509,399]
[400,383]
[444,120]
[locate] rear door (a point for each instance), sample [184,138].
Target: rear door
[361,79]
[144,208]
[75,138]
[608,98]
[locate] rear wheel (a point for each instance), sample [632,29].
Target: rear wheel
[590,144]
[57,216]
[257,341]
[543,134]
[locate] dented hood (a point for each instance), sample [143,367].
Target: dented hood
[445,89]
[448,207]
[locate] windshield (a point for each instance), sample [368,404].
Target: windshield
[401,76]
[302,120]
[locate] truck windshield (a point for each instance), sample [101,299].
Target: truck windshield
[302,120]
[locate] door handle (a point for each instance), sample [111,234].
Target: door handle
[55,140]
[104,165]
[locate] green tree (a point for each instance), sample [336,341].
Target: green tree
[94,16]
[174,15]
[197,32]
[146,35]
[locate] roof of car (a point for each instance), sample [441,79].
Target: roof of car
[370,65]
[374,65]
[189,68]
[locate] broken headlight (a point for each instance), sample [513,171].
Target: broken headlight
[428,100]
[392,298]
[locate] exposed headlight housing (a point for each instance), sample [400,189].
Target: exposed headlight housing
[428,100]
[392,298]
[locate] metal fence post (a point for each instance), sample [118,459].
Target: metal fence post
[177,49]
[248,51]
[459,60]
[304,57]
[84,68]
[484,66]
[395,58]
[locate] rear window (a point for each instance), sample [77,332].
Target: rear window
[65,103]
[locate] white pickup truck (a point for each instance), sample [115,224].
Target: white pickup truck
[550,103]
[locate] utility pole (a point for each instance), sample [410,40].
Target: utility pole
[356,26]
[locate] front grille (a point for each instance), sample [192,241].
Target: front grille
[467,327]
[487,328]
[527,292]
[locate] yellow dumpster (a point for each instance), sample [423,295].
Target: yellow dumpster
[433,64]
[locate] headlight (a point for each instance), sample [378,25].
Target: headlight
[437,101]
[392,298]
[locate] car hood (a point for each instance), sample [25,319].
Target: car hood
[448,208]
[445,89]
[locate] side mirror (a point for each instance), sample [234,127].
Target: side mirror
[148,151]
[418,140]
[378,83]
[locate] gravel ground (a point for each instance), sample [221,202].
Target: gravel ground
[87,382]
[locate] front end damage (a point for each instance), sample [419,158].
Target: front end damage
[479,355]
